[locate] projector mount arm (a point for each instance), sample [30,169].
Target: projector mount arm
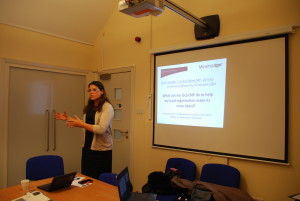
[205,27]
[172,6]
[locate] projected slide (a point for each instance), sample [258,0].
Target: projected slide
[192,94]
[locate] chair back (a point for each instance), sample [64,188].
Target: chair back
[110,178]
[187,167]
[45,166]
[220,174]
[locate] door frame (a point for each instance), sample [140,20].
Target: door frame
[5,65]
[130,69]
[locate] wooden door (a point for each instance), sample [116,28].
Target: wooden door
[34,95]
[118,88]
[68,95]
[28,119]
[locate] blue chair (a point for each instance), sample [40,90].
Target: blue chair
[45,166]
[188,170]
[220,174]
[187,167]
[109,178]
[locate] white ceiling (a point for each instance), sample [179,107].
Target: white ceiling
[78,20]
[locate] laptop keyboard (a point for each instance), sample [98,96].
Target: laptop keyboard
[45,186]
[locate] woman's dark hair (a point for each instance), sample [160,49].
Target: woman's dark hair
[103,98]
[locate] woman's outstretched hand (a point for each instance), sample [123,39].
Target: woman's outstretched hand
[61,116]
[74,122]
[71,122]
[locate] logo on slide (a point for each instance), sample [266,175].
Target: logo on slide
[166,72]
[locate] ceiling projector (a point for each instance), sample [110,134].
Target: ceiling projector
[141,8]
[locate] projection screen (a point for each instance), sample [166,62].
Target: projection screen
[227,99]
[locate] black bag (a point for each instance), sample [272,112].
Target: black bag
[159,183]
[174,172]
[200,194]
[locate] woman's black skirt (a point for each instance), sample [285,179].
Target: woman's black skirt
[93,163]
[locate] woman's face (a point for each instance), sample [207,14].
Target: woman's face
[95,92]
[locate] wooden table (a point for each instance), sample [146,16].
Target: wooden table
[99,191]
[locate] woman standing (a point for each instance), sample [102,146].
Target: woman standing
[97,136]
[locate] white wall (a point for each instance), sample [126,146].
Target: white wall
[116,47]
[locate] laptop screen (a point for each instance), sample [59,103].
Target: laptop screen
[124,184]
[59,182]
[63,180]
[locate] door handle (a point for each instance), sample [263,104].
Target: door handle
[47,129]
[54,130]
[124,133]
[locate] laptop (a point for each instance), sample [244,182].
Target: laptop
[59,182]
[125,189]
